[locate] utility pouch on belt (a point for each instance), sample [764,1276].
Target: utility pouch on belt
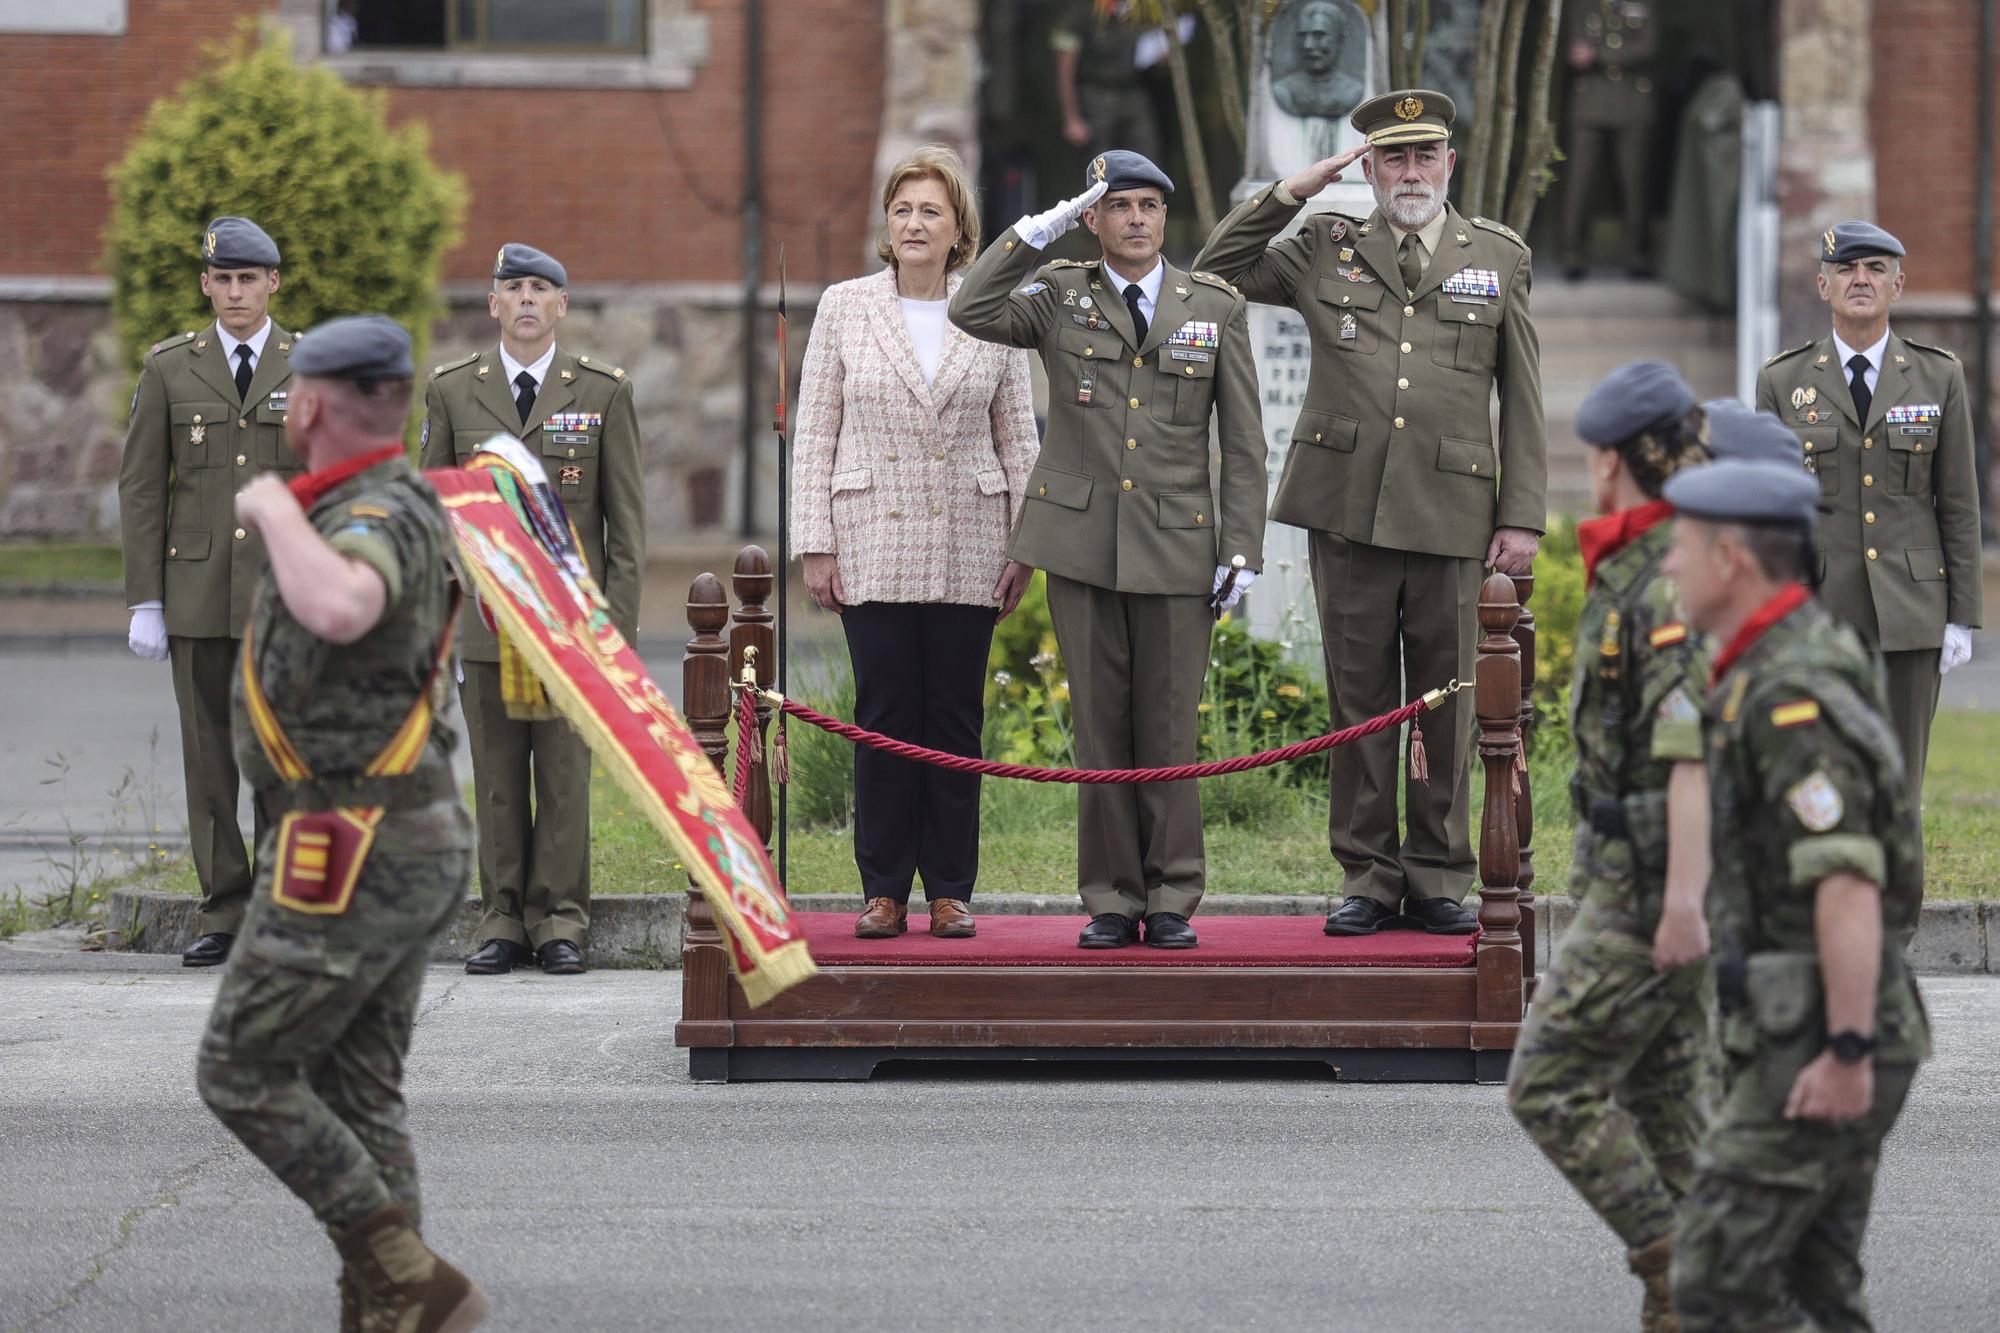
[321,845]
[1785,1000]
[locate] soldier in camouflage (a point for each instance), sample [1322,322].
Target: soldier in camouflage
[303,1056]
[1818,875]
[1614,1072]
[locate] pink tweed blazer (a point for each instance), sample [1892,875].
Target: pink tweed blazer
[915,488]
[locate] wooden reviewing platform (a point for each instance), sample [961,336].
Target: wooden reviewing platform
[1400,1006]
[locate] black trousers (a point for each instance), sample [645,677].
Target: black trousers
[919,676]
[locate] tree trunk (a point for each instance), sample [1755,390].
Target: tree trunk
[1399,37]
[1221,32]
[1197,155]
[1485,64]
[1507,97]
[1418,31]
[1540,149]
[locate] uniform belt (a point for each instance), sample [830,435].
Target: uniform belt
[403,791]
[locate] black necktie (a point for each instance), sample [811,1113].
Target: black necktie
[1858,386]
[1132,295]
[242,371]
[524,401]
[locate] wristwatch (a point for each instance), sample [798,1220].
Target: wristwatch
[1850,1047]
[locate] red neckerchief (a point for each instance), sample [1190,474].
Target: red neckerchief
[309,488]
[1785,601]
[1599,538]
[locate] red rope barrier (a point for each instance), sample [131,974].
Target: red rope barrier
[1030,773]
[748,750]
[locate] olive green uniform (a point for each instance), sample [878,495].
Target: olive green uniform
[303,1056]
[192,443]
[1614,1073]
[1121,514]
[1394,471]
[532,778]
[1612,109]
[1109,95]
[1899,510]
[1805,784]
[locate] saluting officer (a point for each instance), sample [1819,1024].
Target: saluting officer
[1887,429]
[207,418]
[1818,873]
[577,413]
[1139,550]
[1614,1071]
[1418,316]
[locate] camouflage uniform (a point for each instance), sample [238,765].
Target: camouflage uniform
[303,1057]
[1614,1072]
[1806,782]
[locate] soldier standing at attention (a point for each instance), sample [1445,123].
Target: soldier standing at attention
[1119,511]
[1887,429]
[1818,873]
[343,665]
[1613,1073]
[1612,107]
[208,416]
[577,413]
[1418,316]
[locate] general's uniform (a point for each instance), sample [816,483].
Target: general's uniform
[1121,514]
[1394,471]
[532,778]
[193,441]
[304,1052]
[1804,783]
[1899,508]
[1614,1071]
[1612,110]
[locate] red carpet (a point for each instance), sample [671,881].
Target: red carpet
[1050,941]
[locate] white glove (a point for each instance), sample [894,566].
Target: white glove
[1244,578]
[147,637]
[1037,231]
[1957,648]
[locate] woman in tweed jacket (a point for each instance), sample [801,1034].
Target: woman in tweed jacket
[914,444]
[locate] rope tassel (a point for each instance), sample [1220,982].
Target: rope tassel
[1420,760]
[781,756]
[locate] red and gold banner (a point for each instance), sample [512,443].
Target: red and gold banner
[557,624]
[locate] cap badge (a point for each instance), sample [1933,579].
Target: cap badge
[1828,238]
[1410,108]
[500,257]
[208,248]
[1097,169]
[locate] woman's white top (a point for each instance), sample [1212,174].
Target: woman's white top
[926,322]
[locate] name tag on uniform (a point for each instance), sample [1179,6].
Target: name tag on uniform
[1195,333]
[574,421]
[1189,354]
[278,399]
[1474,286]
[562,437]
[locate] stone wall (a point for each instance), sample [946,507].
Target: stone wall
[63,399]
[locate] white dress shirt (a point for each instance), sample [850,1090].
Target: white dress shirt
[1149,287]
[539,371]
[1874,355]
[255,342]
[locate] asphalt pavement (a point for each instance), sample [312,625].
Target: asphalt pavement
[572,1168]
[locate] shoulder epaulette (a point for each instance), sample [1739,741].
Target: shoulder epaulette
[602,367]
[178,340]
[1072,263]
[1214,281]
[1488,224]
[1932,347]
[454,365]
[1790,351]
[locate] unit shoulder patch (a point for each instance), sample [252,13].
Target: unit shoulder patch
[1816,802]
[1500,228]
[450,366]
[1665,636]
[1797,713]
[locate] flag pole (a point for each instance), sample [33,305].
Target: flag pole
[784,559]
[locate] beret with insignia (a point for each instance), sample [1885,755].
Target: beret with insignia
[1847,241]
[233,242]
[1123,169]
[525,261]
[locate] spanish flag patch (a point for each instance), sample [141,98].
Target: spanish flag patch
[1795,714]
[1667,635]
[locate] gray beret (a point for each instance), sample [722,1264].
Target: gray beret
[1123,169]
[1735,431]
[1856,240]
[525,261]
[232,242]
[1631,399]
[1737,491]
[354,347]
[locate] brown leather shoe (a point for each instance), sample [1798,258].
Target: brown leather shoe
[951,921]
[882,919]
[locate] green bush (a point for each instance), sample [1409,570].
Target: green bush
[1557,603]
[360,214]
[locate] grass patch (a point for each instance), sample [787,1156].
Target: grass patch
[45,565]
[1962,807]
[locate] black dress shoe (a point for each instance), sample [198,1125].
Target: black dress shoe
[1164,930]
[1439,916]
[560,958]
[208,951]
[1108,930]
[496,957]
[1359,916]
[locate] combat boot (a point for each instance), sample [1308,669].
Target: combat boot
[1650,1263]
[403,1286]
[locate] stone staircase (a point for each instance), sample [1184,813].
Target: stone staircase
[1592,327]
